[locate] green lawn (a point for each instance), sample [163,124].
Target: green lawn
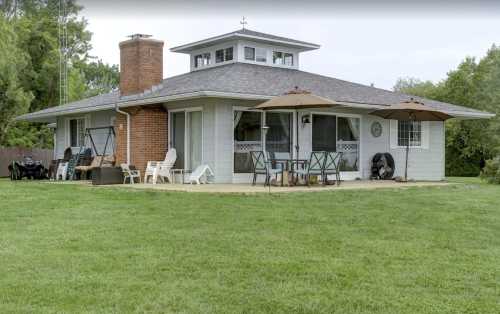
[69,248]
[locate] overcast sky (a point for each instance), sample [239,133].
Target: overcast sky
[360,42]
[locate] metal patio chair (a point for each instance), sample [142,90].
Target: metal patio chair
[332,166]
[262,165]
[314,166]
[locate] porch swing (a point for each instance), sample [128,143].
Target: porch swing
[101,159]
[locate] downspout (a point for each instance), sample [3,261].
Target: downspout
[128,131]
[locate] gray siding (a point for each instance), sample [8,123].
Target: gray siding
[94,119]
[424,163]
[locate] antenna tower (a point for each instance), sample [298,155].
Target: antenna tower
[63,53]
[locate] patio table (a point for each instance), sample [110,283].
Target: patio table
[182,172]
[288,168]
[298,162]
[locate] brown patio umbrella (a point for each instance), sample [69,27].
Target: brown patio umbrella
[296,99]
[411,111]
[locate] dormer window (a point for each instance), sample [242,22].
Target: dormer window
[256,54]
[202,60]
[260,55]
[222,55]
[250,53]
[283,58]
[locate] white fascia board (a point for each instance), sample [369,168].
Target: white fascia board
[42,117]
[185,96]
[188,47]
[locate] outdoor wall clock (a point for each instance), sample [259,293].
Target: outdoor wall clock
[376,129]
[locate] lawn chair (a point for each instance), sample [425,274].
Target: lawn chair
[261,165]
[200,172]
[130,174]
[312,167]
[62,171]
[332,166]
[155,169]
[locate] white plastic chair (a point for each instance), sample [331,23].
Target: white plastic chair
[129,174]
[199,172]
[62,171]
[161,169]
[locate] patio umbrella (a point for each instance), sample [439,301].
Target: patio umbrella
[411,111]
[296,99]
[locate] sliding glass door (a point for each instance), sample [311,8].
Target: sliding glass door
[337,133]
[187,133]
[279,135]
[178,131]
[194,128]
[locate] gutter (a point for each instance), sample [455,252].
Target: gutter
[128,130]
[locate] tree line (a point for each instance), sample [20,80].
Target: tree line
[29,66]
[475,84]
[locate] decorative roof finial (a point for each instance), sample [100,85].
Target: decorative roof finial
[243,22]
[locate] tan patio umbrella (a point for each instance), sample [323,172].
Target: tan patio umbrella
[411,111]
[296,99]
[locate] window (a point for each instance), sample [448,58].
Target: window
[202,60]
[260,55]
[247,138]
[222,55]
[410,132]
[198,61]
[249,53]
[323,133]
[279,135]
[77,132]
[206,59]
[288,59]
[277,57]
[219,55]
[228,53]
[282,58]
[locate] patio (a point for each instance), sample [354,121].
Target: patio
[259,188]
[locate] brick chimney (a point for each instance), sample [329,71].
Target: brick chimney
[141,64]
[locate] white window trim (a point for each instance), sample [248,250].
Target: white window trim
[67,134]
[254,53]
[394,135]
[283,64]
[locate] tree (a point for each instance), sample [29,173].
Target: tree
[414,86]
[469,143]
[14,100]
[36,24]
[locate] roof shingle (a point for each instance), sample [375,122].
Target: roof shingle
[248,79]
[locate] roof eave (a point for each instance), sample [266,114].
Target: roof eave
[187,48]
[45,117]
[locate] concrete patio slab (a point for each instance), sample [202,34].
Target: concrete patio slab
[249,189]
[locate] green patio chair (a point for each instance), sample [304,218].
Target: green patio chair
[262,165]
[332,166]
[312,167]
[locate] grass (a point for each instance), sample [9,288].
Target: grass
[79,249]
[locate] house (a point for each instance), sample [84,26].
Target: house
[206,114]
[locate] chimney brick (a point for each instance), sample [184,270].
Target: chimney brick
[141,64]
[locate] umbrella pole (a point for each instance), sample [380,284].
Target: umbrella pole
[408,145]
[406,166]
[297,140]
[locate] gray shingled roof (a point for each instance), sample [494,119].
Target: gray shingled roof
[257,80]
[242,33]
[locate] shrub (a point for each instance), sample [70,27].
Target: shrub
[491,171]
